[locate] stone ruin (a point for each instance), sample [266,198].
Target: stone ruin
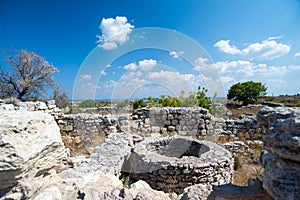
[174,163]
[282,159]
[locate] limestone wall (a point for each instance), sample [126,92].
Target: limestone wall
[161,121]
[282,159]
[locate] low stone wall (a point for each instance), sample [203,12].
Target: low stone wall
[245,127]
[161,121]
[181,121]
[82,124]
[282,141]
[174,163]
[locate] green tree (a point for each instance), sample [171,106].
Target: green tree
[89,103]
[203,100]
[30,75]
[247,92]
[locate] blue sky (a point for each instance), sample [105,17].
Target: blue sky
[237,41]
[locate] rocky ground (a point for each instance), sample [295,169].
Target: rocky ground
[34,163]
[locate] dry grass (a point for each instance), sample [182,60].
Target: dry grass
[78,147]
[247,171]
[293,101]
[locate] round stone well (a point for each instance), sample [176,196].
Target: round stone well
[174,163]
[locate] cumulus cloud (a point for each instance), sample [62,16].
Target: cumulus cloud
[114,32]
[103,73]
[109,84]
[266,50]
[146,65]
[85,77]
[224,46]
[203,64]
[297,54]
[175,54]
[143,65]
[130,67]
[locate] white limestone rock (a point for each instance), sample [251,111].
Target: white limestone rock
[30,144]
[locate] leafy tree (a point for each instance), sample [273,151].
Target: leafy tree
[203,100]
[247,92]
[89,103]
[139,104]
[29,76]
[61,98]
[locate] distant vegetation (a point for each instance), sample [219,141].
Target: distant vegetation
[194,99]
[89,103]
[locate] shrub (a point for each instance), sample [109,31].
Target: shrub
[89,103]
[139,104]
[101,104]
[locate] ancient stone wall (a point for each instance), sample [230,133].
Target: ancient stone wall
[161,121]
[245,127]
[282,161]
[174,163]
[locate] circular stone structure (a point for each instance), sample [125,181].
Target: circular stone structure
[174,163]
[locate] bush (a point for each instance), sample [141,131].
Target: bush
[89,103]
[101,104]
[139,104]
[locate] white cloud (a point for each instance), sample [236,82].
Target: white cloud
[109,84]
[203,64]
[146,65]
[266,50]
[275,37]
[143,65]
[103,73]
[174,79]
[297,54]
[227,79]
[85,77]
[114,32]
[130,67]
[224,46]
[225,66]
[175,54]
